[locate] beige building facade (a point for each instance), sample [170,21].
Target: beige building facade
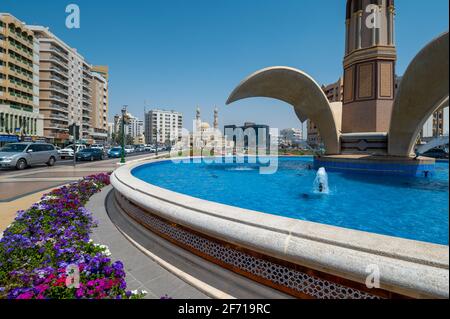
[19,79]
[99,118]
[103,70]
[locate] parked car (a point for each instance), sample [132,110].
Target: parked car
[90,154]
[129,149]
[98,146]
[115,152]
[68,152]
[140,148]
[22,155]
[150,148]
[436,153]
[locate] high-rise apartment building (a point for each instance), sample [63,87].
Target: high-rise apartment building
[66,89]
[335,91]
[99,119]
[19,79]
[291,136]
[134,127]
[163,127]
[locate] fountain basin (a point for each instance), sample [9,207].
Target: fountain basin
[316,259]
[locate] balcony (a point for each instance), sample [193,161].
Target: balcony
[20,61]
[60,52]
[63,72]
[56,98]
[60,117]
[54,59]
[87,96]
[58,79]
[55,126]
[55,107]
[18,36]
[57,89]
[20,50]
[21,75]
[21,87]
[20,99]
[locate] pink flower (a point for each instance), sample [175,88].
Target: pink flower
[26,295]
[79,293]
[41,288]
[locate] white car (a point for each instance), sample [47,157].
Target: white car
[68,152]
[98,147]
[129,149]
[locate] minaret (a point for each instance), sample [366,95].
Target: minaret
[369,66]
[198,120]
[216,118]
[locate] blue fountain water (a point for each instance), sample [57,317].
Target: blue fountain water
[413,208]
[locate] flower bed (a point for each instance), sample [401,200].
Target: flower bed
[47,253]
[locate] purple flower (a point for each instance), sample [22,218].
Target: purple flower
[51,235]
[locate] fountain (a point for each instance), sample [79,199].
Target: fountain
[321,182]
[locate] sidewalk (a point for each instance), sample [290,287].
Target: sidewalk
[142,272]
[8,210]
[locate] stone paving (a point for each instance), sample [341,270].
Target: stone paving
[142,272]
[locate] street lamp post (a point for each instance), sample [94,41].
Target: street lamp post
[122,153]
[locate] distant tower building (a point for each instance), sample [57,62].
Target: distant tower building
[216,119]
[369,66]
[163,127]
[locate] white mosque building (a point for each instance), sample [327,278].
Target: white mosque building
[208,137]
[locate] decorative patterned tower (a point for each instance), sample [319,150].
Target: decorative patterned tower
[369,66]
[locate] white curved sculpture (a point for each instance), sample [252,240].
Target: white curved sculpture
[423,90]
[302,92]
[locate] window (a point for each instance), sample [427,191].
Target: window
[35,148]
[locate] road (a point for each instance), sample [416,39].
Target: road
[16,184]
[69,163]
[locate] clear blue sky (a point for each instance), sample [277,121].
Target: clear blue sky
[178,54]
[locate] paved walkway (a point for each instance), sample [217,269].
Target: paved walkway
[142,272]
[8,210]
